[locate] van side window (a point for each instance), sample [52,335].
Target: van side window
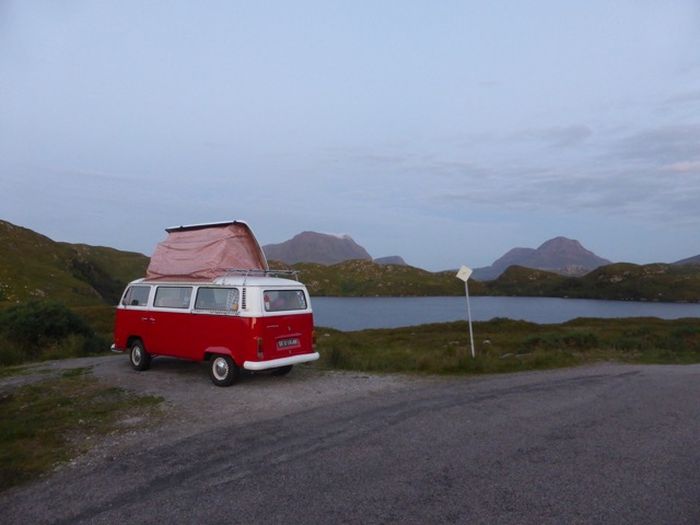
[280,300]
[217,299]
[136,296]
[173,296]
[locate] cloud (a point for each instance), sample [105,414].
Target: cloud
[684,98]
[663,145]
[619,173]
[645,195]
[687,166]
[630,176]
[557,136]
[87,176]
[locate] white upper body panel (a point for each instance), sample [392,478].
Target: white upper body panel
[254,295]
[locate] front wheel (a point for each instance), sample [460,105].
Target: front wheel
[138,357]
[223,370]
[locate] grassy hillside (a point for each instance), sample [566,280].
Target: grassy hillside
[365,278]
[622,281]
[650,282]
[627,282]
[33,266]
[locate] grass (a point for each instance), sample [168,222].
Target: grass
[504,345]
[49,422]
[22,370]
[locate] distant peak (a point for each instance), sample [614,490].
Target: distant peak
[338,235]
[341,236]
[560,241]
[560,254]
[323,248]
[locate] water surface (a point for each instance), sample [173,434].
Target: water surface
[357,313]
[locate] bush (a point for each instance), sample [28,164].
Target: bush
[567,341]
[44,330]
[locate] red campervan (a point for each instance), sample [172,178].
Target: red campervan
[208,295]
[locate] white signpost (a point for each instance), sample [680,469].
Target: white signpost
[463,274]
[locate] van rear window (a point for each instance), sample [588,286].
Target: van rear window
[136,296]
[284,300]
[217,299]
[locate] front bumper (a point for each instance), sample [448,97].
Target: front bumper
[116,350]
[284,361]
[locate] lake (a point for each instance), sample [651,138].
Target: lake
[358,313]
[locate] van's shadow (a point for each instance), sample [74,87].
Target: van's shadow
[198,371]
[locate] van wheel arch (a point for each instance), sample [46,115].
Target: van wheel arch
[211,354]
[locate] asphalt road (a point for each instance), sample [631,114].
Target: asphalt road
[602,444]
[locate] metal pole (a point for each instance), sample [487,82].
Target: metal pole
[469,316]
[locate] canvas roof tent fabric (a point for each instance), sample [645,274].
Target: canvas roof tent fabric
[206,251]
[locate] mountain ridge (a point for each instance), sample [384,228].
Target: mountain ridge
[560,255]
[689,260]
[315,247]
[391,259]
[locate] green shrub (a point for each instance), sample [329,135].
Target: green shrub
[44,330]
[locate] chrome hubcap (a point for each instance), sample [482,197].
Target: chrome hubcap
[220,368]
[136,356]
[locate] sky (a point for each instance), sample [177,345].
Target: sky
[445,132]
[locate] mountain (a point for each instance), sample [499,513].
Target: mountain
[559,255]
[391,259]
[689,260]
[34,266]
[321,248]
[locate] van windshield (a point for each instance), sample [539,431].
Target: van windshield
[284,300]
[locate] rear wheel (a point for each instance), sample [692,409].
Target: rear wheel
[282,370]
[223,371]
[138,357]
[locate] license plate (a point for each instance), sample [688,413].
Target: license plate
[286,343]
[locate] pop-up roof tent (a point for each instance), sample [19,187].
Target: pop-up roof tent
[206,251]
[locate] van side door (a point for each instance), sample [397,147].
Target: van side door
[172,321]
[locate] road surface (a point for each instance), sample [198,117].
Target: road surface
[600,444]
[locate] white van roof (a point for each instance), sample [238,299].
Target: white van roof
[235,280]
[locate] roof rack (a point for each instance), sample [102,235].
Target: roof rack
[203,225]
[261,273]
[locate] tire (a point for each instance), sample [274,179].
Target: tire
[282,370]
[223,371]
[139,358]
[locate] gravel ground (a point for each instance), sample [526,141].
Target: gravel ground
[194,405]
